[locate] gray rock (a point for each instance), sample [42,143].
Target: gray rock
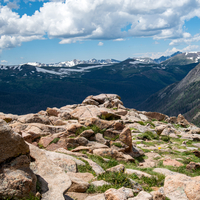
[34,118]
[114,194]
[82,141]
[143,196]
[78,185]
[196,145]
[114,154]
[99,183]
[182,187]
[96,145]
[54,181]
[98,169]
[11,143]
[127,191]
[136,152]
[87,133]
[119,168]
[164,171]
[16,179]
[137,172]
[59,156]
[192,148]
[99,138]
[96,197]
[135,186]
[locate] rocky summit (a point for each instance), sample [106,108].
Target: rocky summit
[98,150]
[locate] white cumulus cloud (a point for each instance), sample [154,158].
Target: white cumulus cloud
[100,44]
[78,20]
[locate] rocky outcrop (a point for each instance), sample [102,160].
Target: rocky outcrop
[52,178]
[11,143]
[78,149]
[16,179]
[34,118]
[92,111]
[114,154]
[104,100]
[182,187]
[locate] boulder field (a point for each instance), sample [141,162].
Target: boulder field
[98,150]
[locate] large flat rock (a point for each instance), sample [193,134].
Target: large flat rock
[54,181]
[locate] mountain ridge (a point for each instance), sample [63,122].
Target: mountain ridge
[75,62]
[182,97]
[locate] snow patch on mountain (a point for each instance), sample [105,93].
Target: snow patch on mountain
[74,62]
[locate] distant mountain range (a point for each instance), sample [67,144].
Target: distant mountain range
[75,62]
[32,87]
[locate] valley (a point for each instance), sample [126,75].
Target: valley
[30,88]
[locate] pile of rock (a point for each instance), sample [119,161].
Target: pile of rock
[46,148]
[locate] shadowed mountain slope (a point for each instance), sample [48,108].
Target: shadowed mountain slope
[182,97]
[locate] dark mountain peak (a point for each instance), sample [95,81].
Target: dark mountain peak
[176,53]
[164,58]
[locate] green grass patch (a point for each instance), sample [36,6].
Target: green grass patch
[141,123]
[70,148]
[177,126]
[55,140]
[149,143]
[165,122]
[151,123]
[165,138]
[31,197]
[117,144]
[112,139]
[95,128]
[146,150]
[145,123]
[116,179]
[104,164]
[85,168]
[148,135]
[133,129]
[146,182]
[40,146]
[99,189]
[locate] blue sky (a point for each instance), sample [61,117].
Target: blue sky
[59,30]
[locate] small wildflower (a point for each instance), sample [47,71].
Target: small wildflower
[159,148]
